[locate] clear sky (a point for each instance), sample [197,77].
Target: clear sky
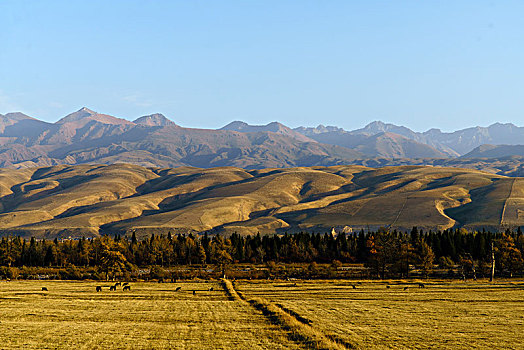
[423,64]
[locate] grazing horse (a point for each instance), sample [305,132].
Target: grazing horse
[98,289]
[388,286]
[421,285]
[211,289]
[126,288]
[118,284]
[354,287]
[44,289]
[194,292]
[177,289]
[125,284]
[112,288]
[405,288]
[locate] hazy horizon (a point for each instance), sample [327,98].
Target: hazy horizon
[302,63]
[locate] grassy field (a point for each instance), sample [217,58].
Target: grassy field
[443,315]
[151,316]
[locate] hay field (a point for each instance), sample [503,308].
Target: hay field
[151,316]
[443,315]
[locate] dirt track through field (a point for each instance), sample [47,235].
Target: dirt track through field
[299,326]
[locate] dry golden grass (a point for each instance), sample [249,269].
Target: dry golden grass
[88,200]
[71,315]
[263,315]
[299,331]
[443,315]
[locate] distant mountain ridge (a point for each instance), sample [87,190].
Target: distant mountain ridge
[496,151]
[452,144]
[275,127]
[86,136]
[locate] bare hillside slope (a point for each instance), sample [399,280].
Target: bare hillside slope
[88,200]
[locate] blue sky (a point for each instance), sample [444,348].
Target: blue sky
[423,64]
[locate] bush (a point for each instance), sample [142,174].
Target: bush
[157,272]
[71,273]
[9,272]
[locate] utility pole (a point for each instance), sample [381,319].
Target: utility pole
[492,277]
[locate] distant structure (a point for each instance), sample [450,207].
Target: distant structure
[341,229]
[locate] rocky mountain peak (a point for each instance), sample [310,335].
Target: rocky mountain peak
[155,119]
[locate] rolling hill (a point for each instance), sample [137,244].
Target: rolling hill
[88,200]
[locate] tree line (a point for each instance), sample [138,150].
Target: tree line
[386,253]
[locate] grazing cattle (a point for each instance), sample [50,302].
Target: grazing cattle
[112,288]
[421,285]
[177,289]
[354,287]
[44,289]
[211,289]
[98,289]
[388,286]
[126,288]
[405,288]
[118,284]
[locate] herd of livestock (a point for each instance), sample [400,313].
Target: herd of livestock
[126,287]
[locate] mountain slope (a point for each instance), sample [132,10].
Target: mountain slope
[88,200]
[385,144]
[496,151]
[454,143]
[271,127]
[156,119]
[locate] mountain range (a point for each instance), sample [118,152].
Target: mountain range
[452,144]
[88,137]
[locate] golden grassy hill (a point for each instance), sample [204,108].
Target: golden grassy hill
[88,200]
